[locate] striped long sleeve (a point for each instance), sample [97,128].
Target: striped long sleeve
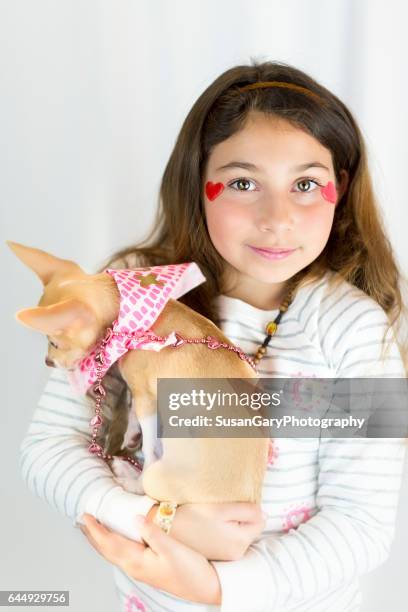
[315,566]
[57,466]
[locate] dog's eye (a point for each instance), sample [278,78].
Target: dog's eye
[53,344]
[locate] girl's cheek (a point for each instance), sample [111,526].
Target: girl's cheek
[226,203]
[225,220]
[225,210]
[315,221]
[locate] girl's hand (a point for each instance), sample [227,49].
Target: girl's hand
[164,563]
[219,531]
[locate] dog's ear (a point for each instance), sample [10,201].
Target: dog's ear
[43,264]
[60,318]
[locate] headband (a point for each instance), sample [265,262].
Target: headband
[264,84]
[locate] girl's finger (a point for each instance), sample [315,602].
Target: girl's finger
[113,546]
[94,532]
[90,539]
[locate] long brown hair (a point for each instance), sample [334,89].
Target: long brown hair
[358,248]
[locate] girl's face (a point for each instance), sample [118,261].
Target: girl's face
[266,197]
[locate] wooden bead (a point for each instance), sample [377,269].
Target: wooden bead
[271,328]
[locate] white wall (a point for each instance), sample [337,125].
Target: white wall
[93,94]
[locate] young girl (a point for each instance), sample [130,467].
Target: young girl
[268,190]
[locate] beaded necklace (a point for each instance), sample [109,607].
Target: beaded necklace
[210,341]
[272,327]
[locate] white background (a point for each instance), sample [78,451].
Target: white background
[93,94]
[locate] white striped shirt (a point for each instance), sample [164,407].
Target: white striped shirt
[331,502]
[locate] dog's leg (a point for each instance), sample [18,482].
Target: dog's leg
[139,419]
[151,444]
[133,429]
[125,474]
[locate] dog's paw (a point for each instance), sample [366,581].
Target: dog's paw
[127,476]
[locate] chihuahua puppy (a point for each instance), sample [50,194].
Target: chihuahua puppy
[74,312]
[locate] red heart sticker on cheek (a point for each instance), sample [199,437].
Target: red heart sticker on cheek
[329,192]
[213,190]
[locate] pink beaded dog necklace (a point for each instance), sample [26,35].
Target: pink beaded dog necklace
[144,292]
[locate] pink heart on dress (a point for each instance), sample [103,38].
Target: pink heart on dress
[297,519]
[134,603]
[329,192]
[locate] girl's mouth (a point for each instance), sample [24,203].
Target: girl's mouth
[275,253]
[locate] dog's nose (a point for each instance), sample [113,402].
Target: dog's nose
[49,362]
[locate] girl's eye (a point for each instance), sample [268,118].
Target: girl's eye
[304,185]
[308,181]
[53,344]
[241,181]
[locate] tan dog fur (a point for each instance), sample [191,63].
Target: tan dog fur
[75,310]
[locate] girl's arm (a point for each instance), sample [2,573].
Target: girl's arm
[57,466]
[359,485]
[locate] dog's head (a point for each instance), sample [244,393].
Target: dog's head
[65,312]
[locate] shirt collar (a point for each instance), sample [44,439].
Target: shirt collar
[233,308]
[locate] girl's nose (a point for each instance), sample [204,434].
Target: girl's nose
[274,214]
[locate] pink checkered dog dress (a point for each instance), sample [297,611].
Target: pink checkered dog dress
[144,292]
